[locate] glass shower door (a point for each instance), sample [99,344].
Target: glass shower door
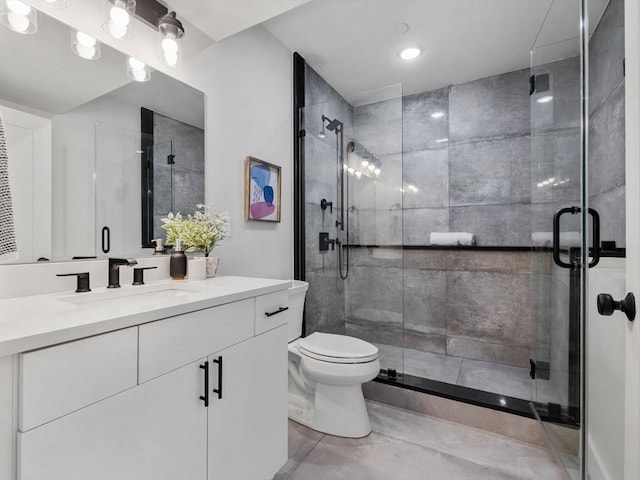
[558,237]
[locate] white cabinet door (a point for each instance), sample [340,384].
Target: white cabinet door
[248,425]
[154,431]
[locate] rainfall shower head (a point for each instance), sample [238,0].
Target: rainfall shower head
[333,125]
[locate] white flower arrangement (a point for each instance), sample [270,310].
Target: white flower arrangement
[200,231]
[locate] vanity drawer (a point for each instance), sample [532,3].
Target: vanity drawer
[57,380]
[272,310]
[174,342]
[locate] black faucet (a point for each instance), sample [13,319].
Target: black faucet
[114,272]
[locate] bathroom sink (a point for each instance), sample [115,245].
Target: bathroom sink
[143,292]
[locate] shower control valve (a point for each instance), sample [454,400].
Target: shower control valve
[325,242]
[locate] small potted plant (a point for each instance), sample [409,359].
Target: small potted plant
[199,232]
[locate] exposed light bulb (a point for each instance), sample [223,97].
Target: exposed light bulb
[18,7]
[119,16]
[358,175]
[377,171]
[365,163]
[169,45]
[351,170]
[170,59]
[18,23]
[117,31]
[136,64]
[85,40]
[139,75]
[371,167]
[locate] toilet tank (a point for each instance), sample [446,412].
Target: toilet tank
[297,294]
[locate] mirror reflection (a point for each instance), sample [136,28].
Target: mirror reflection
[79,157]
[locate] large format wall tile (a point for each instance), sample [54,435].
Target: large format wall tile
[418,223]
[428,172]
[378,126]
[376,288]
[611,206]
[563,111]
[490,172]
[494,225]
[475,349]
[420,130]
[425,306]
[493,307]
[496,106]
[606,145]
[606,55]
[324,307]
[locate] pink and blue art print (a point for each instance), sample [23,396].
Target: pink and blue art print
[262,191]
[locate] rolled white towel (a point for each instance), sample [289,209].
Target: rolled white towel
[452,238]
[567,239]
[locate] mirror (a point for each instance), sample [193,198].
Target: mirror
[78,155]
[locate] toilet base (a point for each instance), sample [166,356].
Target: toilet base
[337,410]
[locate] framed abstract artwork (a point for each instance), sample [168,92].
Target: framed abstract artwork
[261,191]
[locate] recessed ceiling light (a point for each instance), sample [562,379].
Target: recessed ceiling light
[545,99]
[410,53]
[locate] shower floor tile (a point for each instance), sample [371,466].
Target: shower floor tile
[486,376]
[404,445]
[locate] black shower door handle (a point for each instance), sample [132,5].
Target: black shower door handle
[595,225]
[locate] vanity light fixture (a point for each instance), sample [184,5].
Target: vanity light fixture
[171,32]
[84,46]
[410,53]
[18,16]
[118,16]
[138,71]
[365,163]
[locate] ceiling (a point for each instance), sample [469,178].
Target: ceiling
[354,44]
[222,18]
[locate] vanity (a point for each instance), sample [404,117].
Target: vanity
[168,380]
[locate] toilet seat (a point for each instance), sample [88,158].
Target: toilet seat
[332,348]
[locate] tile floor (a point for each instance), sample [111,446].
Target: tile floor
[486,376]
[408,446]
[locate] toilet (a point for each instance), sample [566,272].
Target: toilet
[326,373]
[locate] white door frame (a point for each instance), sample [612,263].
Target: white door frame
[632,171]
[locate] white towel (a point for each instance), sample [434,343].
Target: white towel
[452,238]
[567,239]
[8,244]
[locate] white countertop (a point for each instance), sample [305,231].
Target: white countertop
[27,323]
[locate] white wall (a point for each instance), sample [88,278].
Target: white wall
[247,80]
[605,374]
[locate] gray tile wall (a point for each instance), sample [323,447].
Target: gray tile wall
[471,304]
[606,123]
[325,301]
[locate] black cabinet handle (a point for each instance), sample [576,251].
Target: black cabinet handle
[219,389]
[595,225]
[280,310]
[205,397]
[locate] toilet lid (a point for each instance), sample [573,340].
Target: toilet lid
[337,348]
